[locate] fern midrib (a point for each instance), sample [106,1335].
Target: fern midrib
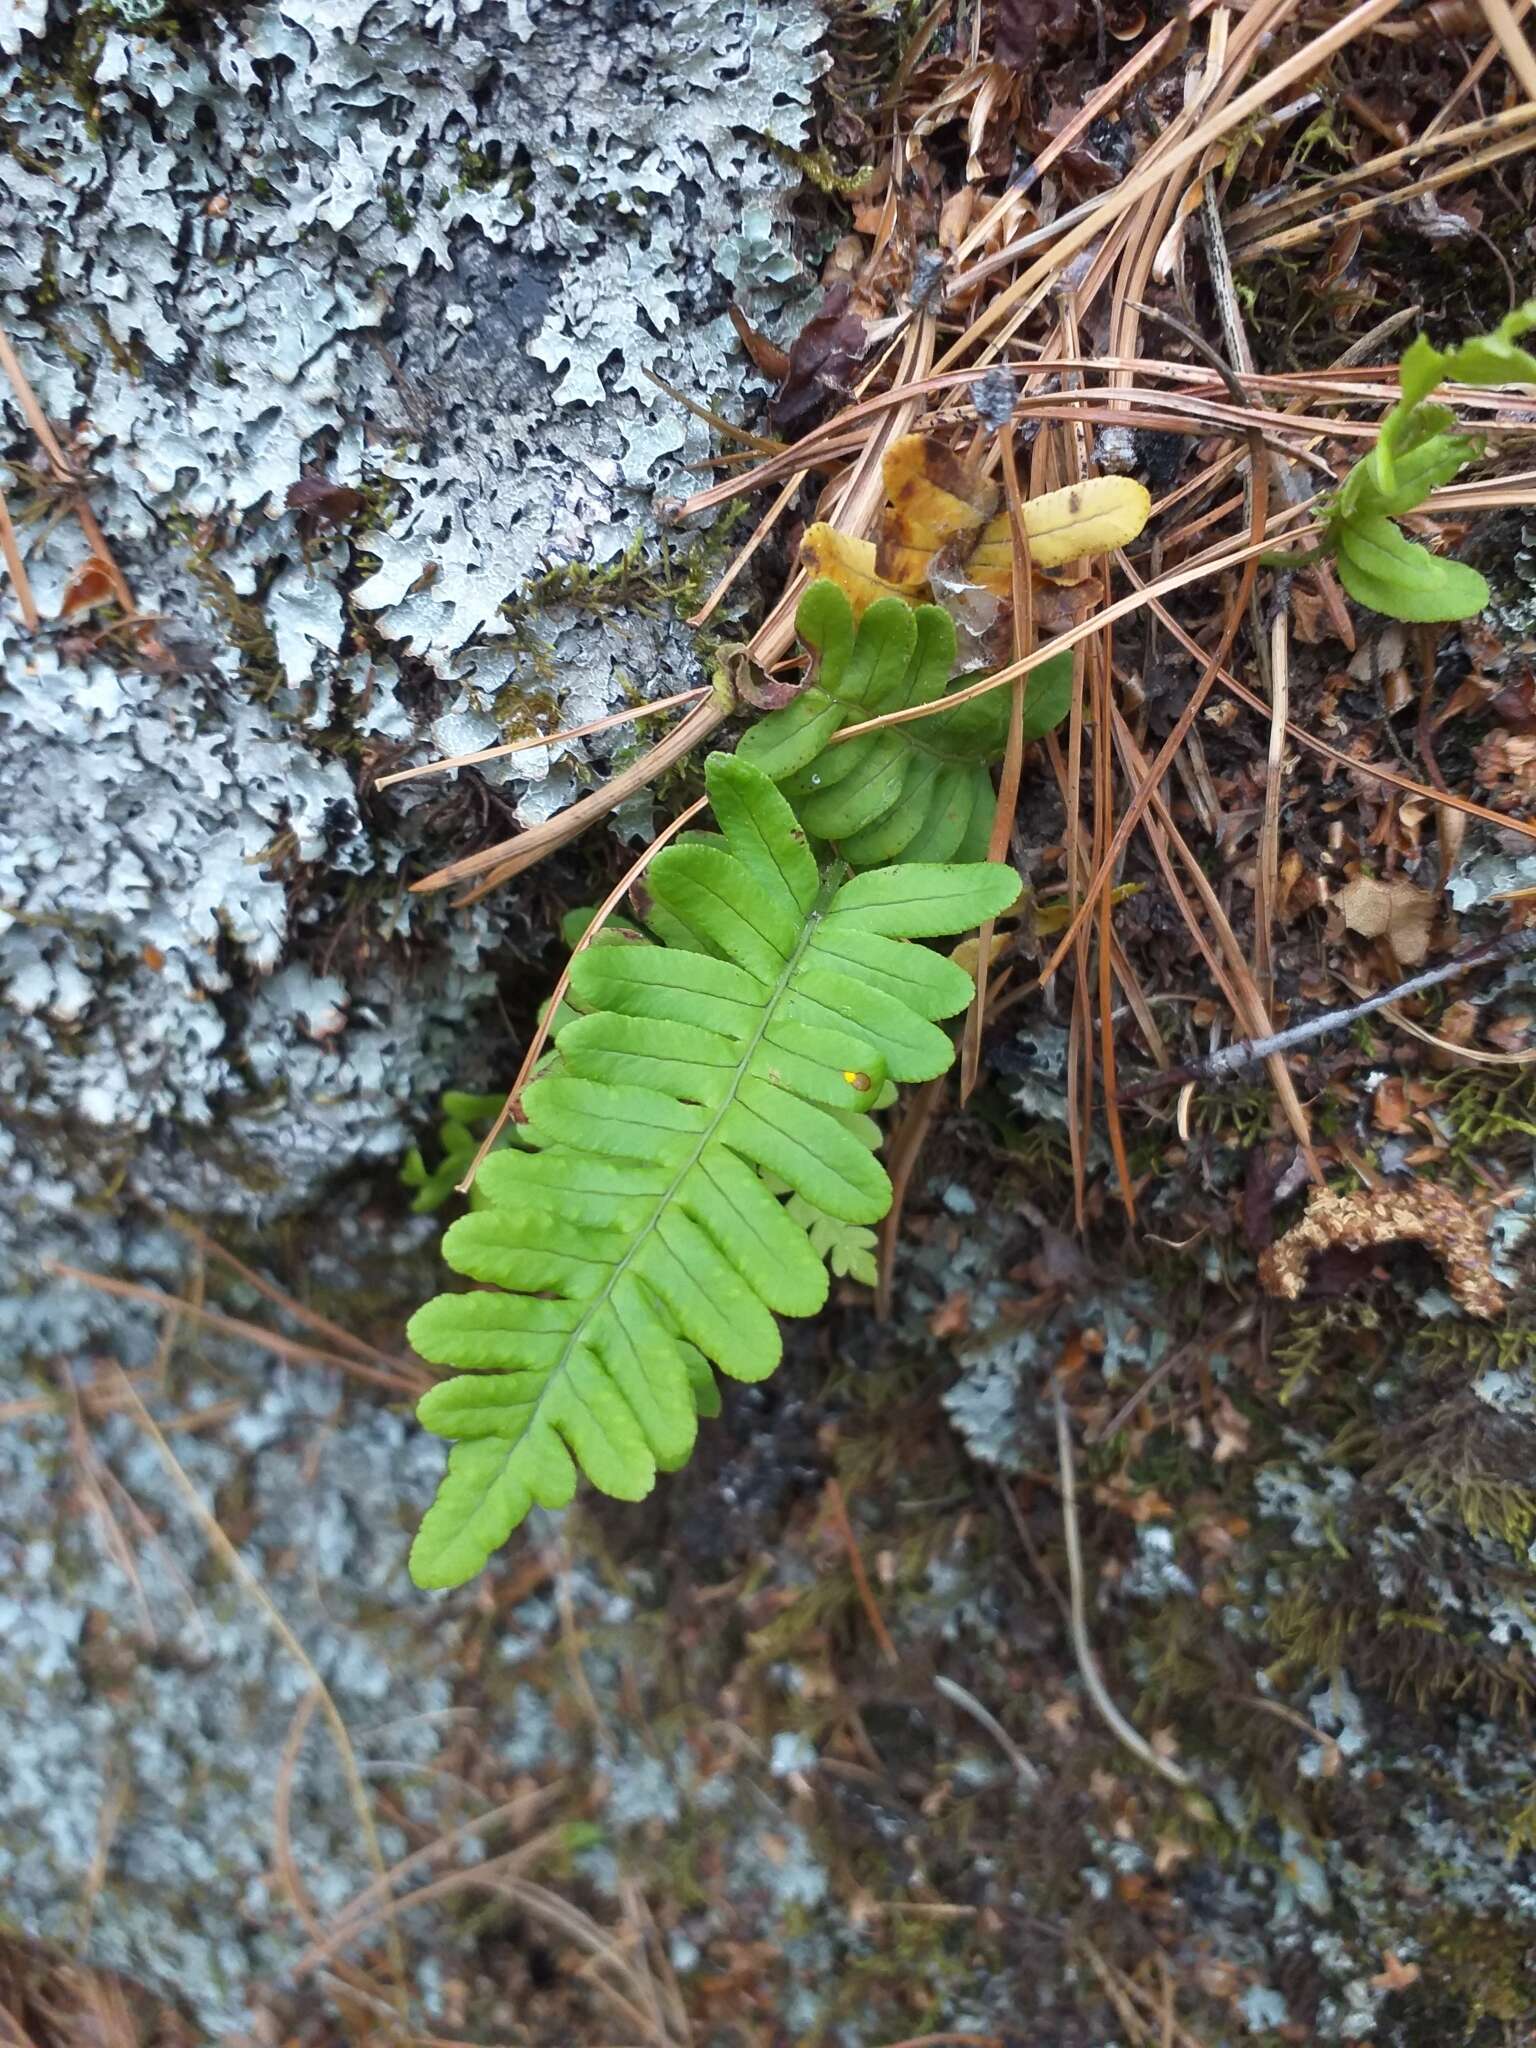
[922,741]
[831,882]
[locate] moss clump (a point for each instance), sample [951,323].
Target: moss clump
[819,168]
[524,713]
[1461,1460]
[1414,1654]
[1489,1965]
[674,578]
[243,617]
[1484,1110]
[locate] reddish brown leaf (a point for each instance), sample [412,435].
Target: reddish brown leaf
[767,355]
[1515,704]
[320,503]
[762,691]
[1390,1105]
[821,360]
[90,583]
[952,1318]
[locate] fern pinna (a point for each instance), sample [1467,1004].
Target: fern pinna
[915,792]
[638,1240]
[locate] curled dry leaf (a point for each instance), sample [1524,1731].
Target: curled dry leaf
[1429,1214]
[321,503]
[766,355]
[943,522]
[1399,912]
[90,583]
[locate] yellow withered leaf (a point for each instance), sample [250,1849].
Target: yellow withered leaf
[933,499]
[848,563]
[1089,518]
[1055,916]
[937,507]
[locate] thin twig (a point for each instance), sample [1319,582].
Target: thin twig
[1027,1774]
[510,857]
[901,1158]
[1511,38]
[840,1521]
[1082,1649]
[1245,1052]
[241,1572]
[310,1318]
[950,2041]
[629,715]
[604,911]
[1007,803]
[38,421]
[21,583]
[406,1380]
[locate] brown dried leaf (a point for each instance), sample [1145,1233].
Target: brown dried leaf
[90,583]
[1428,1213]
[1510,1034]
[321,503]
[821,360]
[754,685]
[1395,1974]
[1399,912]
[1232,1429]
[766,355]
[952,1318]
[1390,1105]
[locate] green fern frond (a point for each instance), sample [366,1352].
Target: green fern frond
[1417,450]
[916,792]
[637,1244]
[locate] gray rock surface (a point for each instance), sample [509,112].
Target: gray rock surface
[425,249]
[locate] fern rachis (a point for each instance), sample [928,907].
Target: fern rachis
[639,1238]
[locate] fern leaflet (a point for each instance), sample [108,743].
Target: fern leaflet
[636,1243]
[915,792]
[1417,450]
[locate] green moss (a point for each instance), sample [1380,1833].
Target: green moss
[1469,1348]
[1242,1116]
[1468,1464]
[524,713]
[243,617]
[673,578]
[1489,1964]
[1318,1335]
[1414,1653]
[1484,1109]
[819,167]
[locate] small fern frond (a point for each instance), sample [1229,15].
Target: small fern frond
[458,1140]
[851,1250]
[637,1244]
[916,792]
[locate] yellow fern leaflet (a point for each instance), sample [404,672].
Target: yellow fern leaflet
[938,512]
[848,563]
[933,501]
[1089,518]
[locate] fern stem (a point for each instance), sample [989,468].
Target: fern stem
[831,881]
